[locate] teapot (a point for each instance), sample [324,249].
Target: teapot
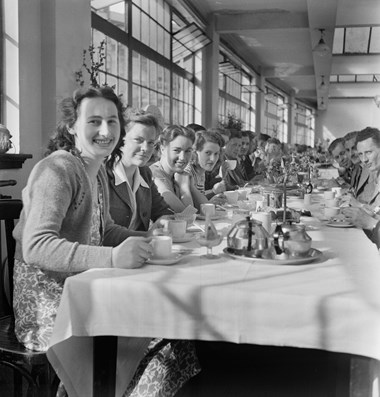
[292,240]
[248,237]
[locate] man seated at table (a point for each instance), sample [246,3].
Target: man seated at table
[359,174]
[244,158]
[216,176]
[342,160]
[367,215]
[237,176]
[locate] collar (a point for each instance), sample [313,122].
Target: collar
[121,177]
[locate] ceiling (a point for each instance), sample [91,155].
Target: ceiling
[276,38]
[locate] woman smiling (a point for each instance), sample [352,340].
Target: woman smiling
[174,184]
[208,145]
[134,199]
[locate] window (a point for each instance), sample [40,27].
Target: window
[157,60]
[234,98]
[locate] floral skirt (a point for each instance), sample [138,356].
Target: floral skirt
[36,299]
[166,367]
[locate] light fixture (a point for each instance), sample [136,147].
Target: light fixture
[321,49]
[322,103]
[376,99]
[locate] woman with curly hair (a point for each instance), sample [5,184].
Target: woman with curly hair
[172,181]
[65,227]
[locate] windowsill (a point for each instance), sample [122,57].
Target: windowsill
[9,161]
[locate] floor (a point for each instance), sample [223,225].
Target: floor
[252,371]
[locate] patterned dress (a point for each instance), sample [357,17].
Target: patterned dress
[37,293]
[167,365]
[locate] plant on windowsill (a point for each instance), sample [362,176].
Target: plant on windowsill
[232,123]
[93,59]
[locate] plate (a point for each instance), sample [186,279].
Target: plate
[174,258]
[184,239]
[314,254]
[339,224]
[218,215]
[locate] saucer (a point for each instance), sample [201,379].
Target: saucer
[183,239]
[171,260]
[341,224]
[218,215]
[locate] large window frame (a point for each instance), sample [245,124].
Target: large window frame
[234,98]
[177,93]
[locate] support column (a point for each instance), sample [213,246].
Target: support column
[66,32]
[260,104]
[210,82]
[291,119]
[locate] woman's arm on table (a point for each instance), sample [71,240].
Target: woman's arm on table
[51,204]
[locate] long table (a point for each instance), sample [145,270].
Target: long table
[332,304]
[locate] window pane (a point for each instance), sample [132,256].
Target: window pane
[160,78]
[167,22]
[144,97]
[160,12]
[136,22]
[153,75]
[123,90]
[136,67]
[144,71]
[144,29]
[357,40]
[111,62]
[375,40]
[153,35]
[123,61]
[338,41]
[135,95]
[167,81]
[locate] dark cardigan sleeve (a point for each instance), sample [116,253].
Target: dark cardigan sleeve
[374,234]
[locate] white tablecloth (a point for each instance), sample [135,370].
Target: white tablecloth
[331,305]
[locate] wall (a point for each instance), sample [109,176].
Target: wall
[347,115]
[51,37]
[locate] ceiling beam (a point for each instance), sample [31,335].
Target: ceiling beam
[306,94]
[322,15]
[288,71]
[263,20]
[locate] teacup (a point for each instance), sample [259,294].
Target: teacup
[328,195]
[162,246]
[331,211]
[337,191]
[242,194]
[208,209]
[232,196]
[177,227]
[334,202]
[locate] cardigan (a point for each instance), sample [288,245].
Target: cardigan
[150,203]
[53,232]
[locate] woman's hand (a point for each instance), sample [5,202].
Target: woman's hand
[131,253]
[220,199]
[348,200]
[359,217]
[219,187]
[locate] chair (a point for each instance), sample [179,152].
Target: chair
[28,364]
